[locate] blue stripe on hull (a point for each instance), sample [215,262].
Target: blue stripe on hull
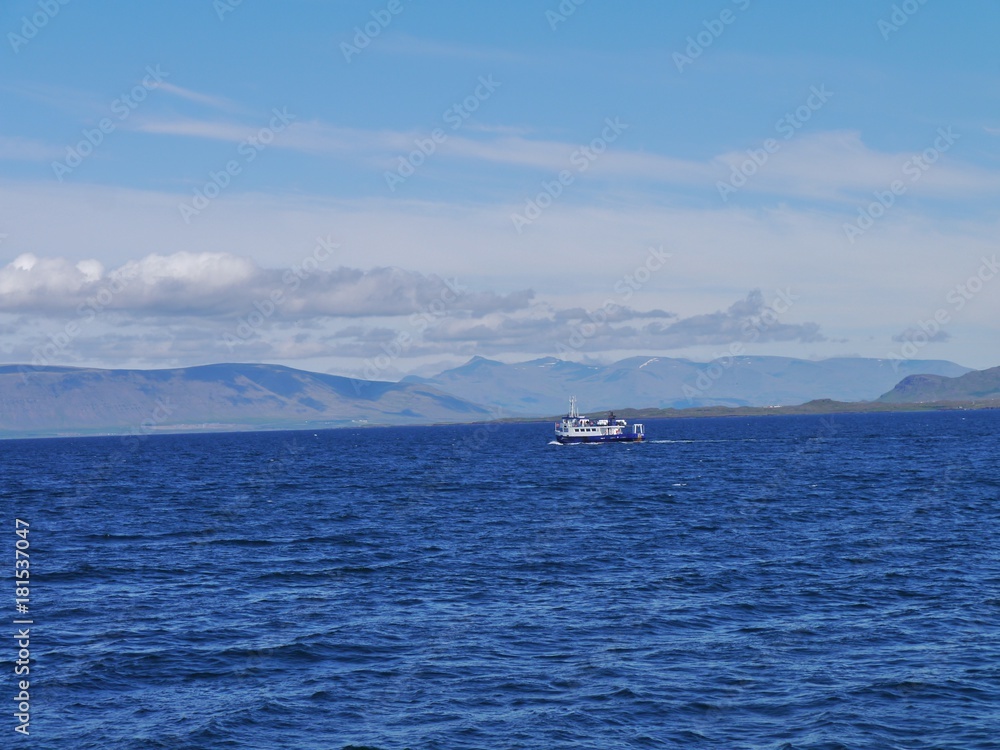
[599,439]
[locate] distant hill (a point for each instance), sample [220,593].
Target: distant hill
[542,386]
[818,407]
[978,385]
[39,401]
[67,400]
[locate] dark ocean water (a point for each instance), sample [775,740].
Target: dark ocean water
[787,582]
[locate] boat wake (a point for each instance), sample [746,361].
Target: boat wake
[710,440]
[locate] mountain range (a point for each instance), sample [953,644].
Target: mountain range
[976,386]
[69,400]
[542,386]
[37,401]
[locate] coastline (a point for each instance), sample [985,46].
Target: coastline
[818,407]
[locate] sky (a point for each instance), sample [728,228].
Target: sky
[383,188]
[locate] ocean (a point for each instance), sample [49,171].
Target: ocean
[777,582]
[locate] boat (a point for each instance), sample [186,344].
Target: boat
[576,428]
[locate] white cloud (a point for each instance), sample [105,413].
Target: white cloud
[220,284]
[898,273]
[823,166]
[308,136]
[839,166]
[543,330]
[921,336]
[215,102]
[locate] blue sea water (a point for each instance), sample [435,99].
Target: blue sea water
[785,582]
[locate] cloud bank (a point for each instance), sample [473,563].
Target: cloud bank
[174,308]
[221,284]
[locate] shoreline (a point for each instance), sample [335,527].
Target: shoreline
[818,407]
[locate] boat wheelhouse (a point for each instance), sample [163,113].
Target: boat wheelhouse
[576,428]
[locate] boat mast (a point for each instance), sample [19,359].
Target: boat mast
[572,407]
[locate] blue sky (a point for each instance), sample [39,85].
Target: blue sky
[390,187]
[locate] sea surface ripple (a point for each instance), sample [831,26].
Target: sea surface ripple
[785,583]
